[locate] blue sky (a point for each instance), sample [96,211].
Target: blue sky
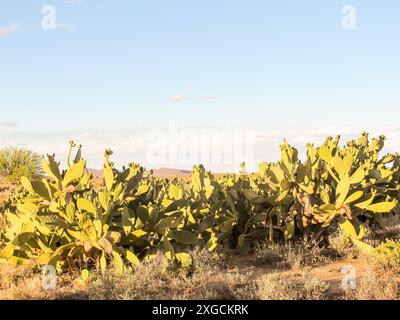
[113,70]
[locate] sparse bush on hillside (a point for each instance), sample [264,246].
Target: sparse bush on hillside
[16,163]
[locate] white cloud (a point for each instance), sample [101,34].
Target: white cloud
[133,146]
[127,147]
[179,97]
[313,134]
[8,123]
[209,98]
[5,31]
[268,141]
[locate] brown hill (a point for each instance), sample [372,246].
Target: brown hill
[170,173]
[161,173]
[96,173]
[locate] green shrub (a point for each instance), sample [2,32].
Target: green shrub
[387,254]
[16,163]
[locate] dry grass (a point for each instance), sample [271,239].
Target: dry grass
[296,255]
[21,283]
[303,270]
[208,279]
[387,256]
[281,287]
[375,285]
[342,246]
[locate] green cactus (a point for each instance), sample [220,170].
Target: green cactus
[63,220]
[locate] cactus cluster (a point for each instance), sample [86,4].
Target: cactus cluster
[64,221]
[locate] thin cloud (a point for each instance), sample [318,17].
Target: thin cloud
[179,98]
[5,31]
[268,141]
[66,26]
[321,133]
[137,145]
[4,124]
[209,98]
[73,1]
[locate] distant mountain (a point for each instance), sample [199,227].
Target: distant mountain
[161,173]
[96,173]
[169,173]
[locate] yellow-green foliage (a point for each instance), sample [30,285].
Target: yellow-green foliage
[15,163]
[387,254]
[62,220]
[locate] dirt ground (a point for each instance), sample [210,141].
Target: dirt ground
[239,279]
[330,272]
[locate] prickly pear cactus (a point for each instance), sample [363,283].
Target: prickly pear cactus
[64,221]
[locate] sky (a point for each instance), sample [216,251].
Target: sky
[154,79]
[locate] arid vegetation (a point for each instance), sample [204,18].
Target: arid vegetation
[285,232]
[222,275]
[16,163]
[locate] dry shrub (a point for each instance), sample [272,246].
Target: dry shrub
[376,286]
[389,228]
[207,279]
[387,256]
[342,246]
[11,275]
[21,283]
[283,287]
[296,255]
[269,254]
